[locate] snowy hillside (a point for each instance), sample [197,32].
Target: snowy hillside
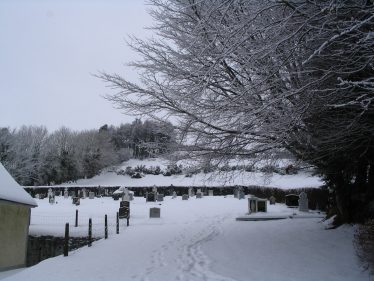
[111,178]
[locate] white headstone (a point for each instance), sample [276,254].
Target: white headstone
[174,195]
[190,192]
[84,193]
[66,194]
[303,202]
[91,195]
[210,192]
[126,195]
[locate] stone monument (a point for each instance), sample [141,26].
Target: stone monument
[303,202]
[154,212]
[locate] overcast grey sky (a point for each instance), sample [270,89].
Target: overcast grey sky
[49,50]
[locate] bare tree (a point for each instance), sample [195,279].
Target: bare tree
[244,78]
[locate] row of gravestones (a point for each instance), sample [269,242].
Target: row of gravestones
[260,205]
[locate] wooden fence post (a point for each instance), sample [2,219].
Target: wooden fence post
[106,227]
[76,218]
[117,224]
[89,232]
[66,241]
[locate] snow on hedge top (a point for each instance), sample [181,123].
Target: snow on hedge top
[10,190]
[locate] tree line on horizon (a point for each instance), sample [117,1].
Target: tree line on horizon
[33,156]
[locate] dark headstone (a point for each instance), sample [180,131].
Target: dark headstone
[151,197]
[124,204]
[124,212]
[76,201]
[292,200]
[160,197]
[261,205]
[185,197]
[154,212]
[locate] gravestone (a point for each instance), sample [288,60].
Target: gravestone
[190,192]
[124,212]
[66,194]
[252,205]
[262,205]
[124,204]
[50,192]
[76,201]
[151,197]
[185,197]
[199,195]
[84,193]
[131,196]
[174,195]
[241,194]
[154,189]
[126,196]
[210,192]
[272,200]
[303,202]
[51,199]
[91,195]
[292,200]
[37,196]
[80,194]
[154,212]
[160,197]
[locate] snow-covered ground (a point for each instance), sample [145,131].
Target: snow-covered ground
[110,178]
[198,239]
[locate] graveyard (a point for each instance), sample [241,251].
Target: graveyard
[195,236]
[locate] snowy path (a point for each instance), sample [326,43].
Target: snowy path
[199,240]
